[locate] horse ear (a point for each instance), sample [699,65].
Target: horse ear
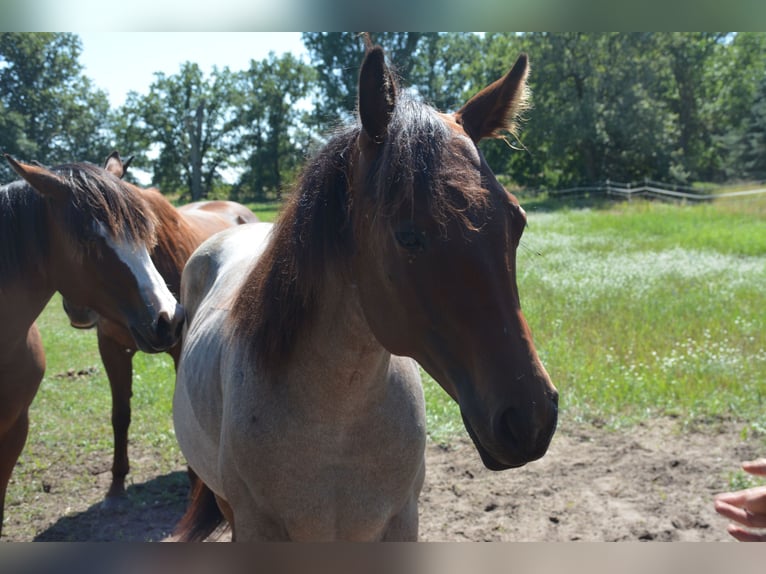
[377,95]
[494,109]
[114,164]
[40,178]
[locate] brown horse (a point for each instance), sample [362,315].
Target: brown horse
[296,402]
[179,232]
[79,230]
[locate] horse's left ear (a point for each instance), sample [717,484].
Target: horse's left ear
[377,95]
[40,178]
[116,166]
[494,110]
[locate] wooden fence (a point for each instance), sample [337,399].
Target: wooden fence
[654,189]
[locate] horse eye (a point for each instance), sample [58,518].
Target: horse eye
[411,239]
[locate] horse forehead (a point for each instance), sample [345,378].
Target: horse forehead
[461,140]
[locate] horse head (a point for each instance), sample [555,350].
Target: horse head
[101,232]
[435,238]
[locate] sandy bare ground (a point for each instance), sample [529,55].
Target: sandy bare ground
[653,482]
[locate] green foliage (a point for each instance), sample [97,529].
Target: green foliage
[267,113]
[189,117]
[43,89]
[680,107]
[337,57]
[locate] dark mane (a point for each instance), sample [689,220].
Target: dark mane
[23,230]
[312,237]
[315,233]
[95,194]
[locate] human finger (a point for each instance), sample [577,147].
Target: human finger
[745,535]
[757,467]
[752,499]
[737,498]
[743,514]
[731,511]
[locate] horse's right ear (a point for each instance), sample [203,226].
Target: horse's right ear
[495,109]
[377,95]
[40,178]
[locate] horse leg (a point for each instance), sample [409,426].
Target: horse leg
[118,362]
[16,394]
[404,526]
[11,444]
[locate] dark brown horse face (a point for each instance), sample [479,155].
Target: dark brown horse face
[441,287]
[108,272]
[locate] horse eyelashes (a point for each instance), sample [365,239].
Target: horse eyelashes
[412,240]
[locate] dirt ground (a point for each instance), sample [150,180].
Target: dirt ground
[650,483]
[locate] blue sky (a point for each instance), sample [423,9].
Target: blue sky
[119,62]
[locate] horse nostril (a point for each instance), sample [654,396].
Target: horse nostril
[169,327]
[509,425]
[528,431]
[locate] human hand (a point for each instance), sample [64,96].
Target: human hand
[746,507]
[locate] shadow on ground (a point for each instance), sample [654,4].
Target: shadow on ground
[148,513]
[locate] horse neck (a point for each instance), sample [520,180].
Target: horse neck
[338,364]
[176,239]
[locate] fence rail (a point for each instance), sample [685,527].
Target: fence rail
[654,189]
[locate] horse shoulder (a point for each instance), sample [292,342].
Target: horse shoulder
[234,249]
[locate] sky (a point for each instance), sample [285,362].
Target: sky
[119,62]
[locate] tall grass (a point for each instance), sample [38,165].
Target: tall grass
[643,309]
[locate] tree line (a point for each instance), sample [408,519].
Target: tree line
[676,107]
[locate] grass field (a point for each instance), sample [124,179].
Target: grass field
[643,309]
[637,309]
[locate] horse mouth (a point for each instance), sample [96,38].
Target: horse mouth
[82,325]
[80,317]
[489,460]
[148,346]
[163,335]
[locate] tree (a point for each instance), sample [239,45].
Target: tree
[337,56]
[270,104]
[441,68]
[751,144]
[185,122]
[689,58]
[49,111]
[741,61]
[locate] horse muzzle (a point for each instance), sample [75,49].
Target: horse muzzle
[515,436]
[163,334]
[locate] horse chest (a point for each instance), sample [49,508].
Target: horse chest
[326,477]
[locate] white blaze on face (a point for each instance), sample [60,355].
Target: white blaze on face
[152,287]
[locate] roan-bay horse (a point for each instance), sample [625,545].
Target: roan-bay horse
[79,230]
[298,402]
[179,232]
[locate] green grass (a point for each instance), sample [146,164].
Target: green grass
[642,309]
[266,211]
